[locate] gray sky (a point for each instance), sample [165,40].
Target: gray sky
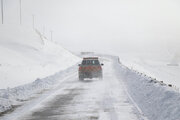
[113,26]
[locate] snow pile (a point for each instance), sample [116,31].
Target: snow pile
[157,100]
[26,55]
[5,105]
[12,97]
[155,66]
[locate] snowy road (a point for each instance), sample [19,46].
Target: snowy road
[72,99]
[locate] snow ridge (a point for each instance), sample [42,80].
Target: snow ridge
[12,97]
[157,100]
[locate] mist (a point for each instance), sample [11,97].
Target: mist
[90,59]
[108,26]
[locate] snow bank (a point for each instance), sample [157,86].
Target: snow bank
[26,55]
[25,58]
[12,97]
[155,66]
[157,100]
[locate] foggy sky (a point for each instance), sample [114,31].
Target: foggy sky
[109,26]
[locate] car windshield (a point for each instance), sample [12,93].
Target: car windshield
[90,62]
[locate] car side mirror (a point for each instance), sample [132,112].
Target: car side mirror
[102,64]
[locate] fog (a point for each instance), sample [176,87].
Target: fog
[108,26]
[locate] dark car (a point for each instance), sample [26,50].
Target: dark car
[90,68]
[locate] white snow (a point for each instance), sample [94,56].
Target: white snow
[155,66]
[152,99]
[26,55]
[90,99]
[25,58]
[35,91]
[156,100]
[28,63]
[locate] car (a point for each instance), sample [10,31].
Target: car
[90,68]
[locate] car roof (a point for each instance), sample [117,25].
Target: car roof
[90,58]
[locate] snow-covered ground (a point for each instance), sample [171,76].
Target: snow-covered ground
[26,55]
[155,66]
[32,69]
[122,94]
[157,100]
[14,97]
[72,99]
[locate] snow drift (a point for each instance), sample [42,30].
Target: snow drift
[13,97]
[157,100]
[27,61]
[26,55]
[156,66]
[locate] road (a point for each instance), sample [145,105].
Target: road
[95,99]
